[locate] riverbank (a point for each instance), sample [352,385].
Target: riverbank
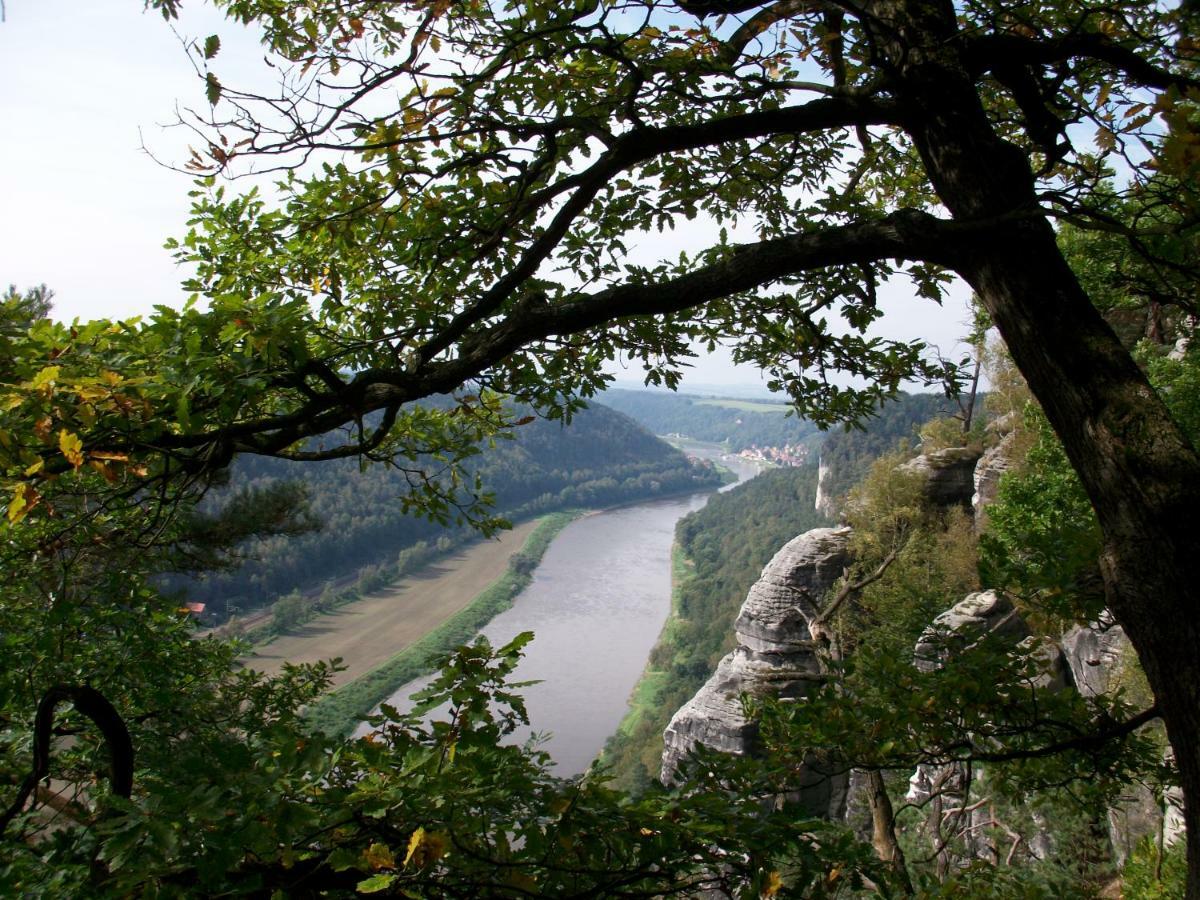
[341,710]
[718,554]
[635,749]
[367,632]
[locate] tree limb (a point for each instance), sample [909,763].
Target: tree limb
[849,590]
[991,51]
[96,707]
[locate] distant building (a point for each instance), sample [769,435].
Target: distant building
[788,455]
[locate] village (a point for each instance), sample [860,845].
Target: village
[788,455]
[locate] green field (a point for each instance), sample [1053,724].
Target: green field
[763,406]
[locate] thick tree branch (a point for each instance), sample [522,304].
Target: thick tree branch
[905,234]
[761,21]
[96,707]
[1085,743]
[991,51]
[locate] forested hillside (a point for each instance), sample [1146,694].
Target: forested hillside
[847,455]
[738,424]
[721,550]
[601,458]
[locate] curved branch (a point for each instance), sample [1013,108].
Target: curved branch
[96,707]
[1085,743]
[761,21]
[905,234]
[642,145]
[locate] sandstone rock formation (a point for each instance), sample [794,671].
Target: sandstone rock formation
[775,656]
[1093,654]
[947,789]
[988,471]
[979,614]
[824,503]
[949,474]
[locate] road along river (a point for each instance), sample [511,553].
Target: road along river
[596,606]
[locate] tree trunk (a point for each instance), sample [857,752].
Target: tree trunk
[883,829]
[1139,470]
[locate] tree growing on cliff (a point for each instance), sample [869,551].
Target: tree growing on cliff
[478,173]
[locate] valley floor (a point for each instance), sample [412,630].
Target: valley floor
[367,633]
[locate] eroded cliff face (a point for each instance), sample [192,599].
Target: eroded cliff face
[988,471]
[775,651]
[775,656]
[948,475]
[824,503]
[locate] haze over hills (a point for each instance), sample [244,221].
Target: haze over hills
[736,423]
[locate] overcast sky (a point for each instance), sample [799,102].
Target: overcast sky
[84,209]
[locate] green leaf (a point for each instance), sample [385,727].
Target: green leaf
[212,88]
[212,44]
[376,883]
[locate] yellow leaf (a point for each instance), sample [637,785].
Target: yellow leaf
[378,856]
[71,447]
[35,467]
[12,401]
[425,848]
[24,499]
[45,378]
[773,886]
[91,392]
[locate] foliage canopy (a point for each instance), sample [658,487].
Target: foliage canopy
[465,191]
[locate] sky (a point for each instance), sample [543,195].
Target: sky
[85,209]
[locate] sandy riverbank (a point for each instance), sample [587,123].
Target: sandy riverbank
[367,633]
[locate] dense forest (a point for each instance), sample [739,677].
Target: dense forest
[737,424]
[600,459]
[722,549]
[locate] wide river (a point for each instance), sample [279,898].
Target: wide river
[596,605]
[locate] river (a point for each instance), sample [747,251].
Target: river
[596,605]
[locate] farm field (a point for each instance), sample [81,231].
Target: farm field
[367,633]
[745,405]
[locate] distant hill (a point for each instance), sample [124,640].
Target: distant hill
[845,455]
[736,423]
[602,458]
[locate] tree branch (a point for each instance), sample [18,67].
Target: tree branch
[991,51]
[906,234]
[1085,742]
[641,145]
[849,590]
[96,707]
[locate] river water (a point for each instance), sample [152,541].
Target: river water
[596,605]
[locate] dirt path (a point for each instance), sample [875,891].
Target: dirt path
[367,633]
